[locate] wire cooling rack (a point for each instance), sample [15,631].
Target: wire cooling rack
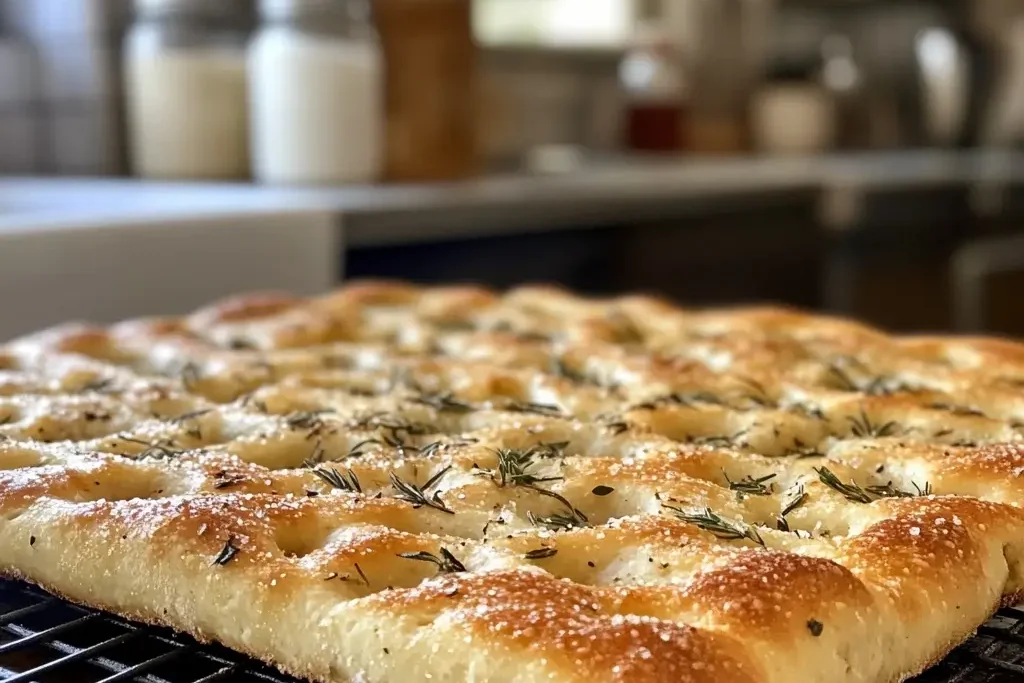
[46,640]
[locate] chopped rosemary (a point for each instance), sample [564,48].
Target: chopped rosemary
[185,417]
[346,481]
[862,427]
[781,524]
[721,440]
[227,553]
[417,496]
[562,369]
[545,409]
[573,518]
[851,491]
[602,490]
[310,420]
[446,563]
[795,497]
[812,412]
[190,374]
[444,402]
[157,451]
[757,393]
[362,575]
[618,427]
[708,520]
[98,385]
[960,411]
[436,479]
[513,465]
[541,553]
[751,486]
[858,494]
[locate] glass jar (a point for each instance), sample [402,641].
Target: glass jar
[185,87]
[654,80]
[316,93]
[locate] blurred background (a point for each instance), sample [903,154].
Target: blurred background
[860,157]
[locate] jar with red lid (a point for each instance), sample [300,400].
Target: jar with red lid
[653,77]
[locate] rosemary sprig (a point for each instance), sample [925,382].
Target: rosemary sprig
[155,450]
[721,440]
[541,553]
[813,412]
[185,417]
[842,379]
[98,385]
[444,402]
[795,497]
[562,369]
[512,468]
[346,481]
[887,490]
[748,485]
[757,394]
[417,496]
[690,400]
[862,427]
[852,491]
[710,521]
[545,409]
[574,519]
[960,411]
[310,420]
[436,479]
[227,553]
[190,375]
[446,563]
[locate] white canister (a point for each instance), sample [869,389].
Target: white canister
[792,115]
[186,90]
[316,77]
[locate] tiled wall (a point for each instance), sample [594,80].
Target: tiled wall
[75,127]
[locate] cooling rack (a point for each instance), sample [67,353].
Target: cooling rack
[46,640]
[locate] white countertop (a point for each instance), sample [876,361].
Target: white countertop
[603,193]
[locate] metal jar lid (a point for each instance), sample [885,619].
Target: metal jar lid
[278,10]
[202,8]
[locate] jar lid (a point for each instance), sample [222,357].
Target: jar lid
[220,8]
[287,9]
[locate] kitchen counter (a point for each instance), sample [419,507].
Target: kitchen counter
[602,192]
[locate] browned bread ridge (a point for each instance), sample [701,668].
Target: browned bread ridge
[392,482]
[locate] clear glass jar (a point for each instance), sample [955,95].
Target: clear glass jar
[186,92]
[316,76]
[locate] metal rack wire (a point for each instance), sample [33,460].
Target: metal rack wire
[46,640]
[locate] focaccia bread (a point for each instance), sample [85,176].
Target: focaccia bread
[398,483]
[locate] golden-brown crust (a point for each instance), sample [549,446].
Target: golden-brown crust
[391,481]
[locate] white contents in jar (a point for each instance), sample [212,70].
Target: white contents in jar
[187,114]
[317,108]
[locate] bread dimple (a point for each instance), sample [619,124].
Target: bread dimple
[392,480]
